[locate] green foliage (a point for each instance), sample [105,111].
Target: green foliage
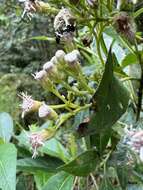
[8,166]
[6,127]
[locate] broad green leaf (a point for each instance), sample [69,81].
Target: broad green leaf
[110,101]
[39,164]
[83,164]
[100,140]
[60,181]
[54,148]
[41,178]
[8,156]
[6,126]
[129,60]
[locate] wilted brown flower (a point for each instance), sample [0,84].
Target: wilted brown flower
[124,25]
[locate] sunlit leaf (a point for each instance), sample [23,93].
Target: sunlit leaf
[6,126]
[8,154]
[60,181]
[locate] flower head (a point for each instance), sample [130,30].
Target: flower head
[37,139]
[28,104]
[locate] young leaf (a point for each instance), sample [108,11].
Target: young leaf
[83,164]
[60,181]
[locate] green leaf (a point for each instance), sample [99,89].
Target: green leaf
[8,156]
[60,181]
[110,101]
[54,148]
[129,60]
[100,141]
[39,164]
[41,178]
[6,126]
[83,164]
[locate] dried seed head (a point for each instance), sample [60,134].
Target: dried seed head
[64,25]
[125,26]
[63,19]
[47,112]
[28,105]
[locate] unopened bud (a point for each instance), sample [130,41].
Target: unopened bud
[47,112]
[72,58]
[40,75]
[60,56]
[44,80]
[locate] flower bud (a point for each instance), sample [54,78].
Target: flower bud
[40,75]
[28,105]
[47,112]
[72,60]
[52,71]
[60,56]
[43,78]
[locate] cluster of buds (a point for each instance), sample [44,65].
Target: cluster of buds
[33,6]
[134,140]
[37,139]
[58,68]
[64,25]
[125,26]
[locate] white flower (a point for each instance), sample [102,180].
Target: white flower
[27,103]
[36,140]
